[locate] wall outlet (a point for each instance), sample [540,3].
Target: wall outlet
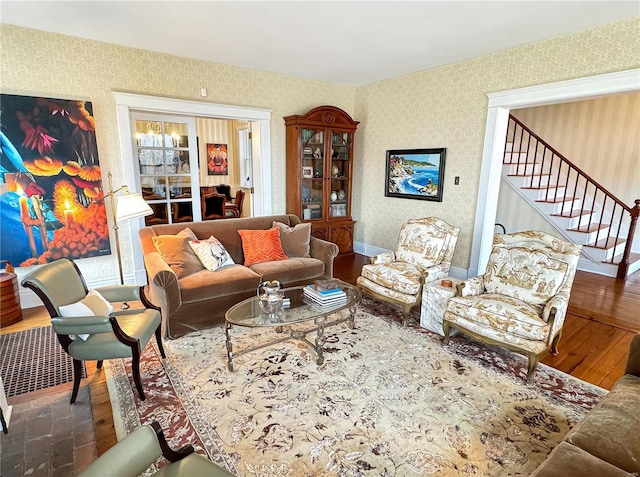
[456,180]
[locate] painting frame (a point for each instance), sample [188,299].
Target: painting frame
[217,160]
[307,172]
[415,173]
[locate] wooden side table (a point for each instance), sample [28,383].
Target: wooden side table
[434,303]
[10,311]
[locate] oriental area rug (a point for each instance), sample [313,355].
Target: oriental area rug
[388,401]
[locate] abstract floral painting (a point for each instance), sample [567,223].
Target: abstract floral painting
[50,181]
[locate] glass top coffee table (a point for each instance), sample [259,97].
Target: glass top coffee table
[247,313]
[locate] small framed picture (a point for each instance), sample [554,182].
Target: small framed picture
[307,151]
[307,172]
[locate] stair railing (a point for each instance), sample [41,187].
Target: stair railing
[561,173]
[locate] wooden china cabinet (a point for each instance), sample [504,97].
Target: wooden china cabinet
[319,172]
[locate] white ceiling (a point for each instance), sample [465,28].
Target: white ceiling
[345,42]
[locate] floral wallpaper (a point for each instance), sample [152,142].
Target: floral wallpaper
[40,63]
[447,107]
[442,107]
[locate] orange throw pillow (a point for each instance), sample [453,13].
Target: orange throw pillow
[261,246]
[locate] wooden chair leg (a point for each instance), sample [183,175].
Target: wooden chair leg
[554,343]
[99,364]
[135,368]
[446,329]
[77,376]
[533,364]
[159,341]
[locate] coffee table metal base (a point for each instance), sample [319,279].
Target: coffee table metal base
[321,322]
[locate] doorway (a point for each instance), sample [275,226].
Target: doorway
[259,119]
[500,104]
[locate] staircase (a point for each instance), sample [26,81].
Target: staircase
[580,209]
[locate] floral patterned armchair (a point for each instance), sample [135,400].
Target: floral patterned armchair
[521,300]
[423,254]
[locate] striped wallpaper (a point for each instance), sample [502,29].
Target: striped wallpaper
[601,136]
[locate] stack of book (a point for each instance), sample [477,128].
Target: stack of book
[329,297]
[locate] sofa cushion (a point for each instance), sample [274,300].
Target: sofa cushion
[295,240]
[211,253]
[567,460]
[402,277]
[501,313]
[295,269]
[175,250]
[532,276]
[610,430]
[206,285]
[261,245]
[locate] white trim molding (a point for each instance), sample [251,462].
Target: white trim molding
[500,103]
[261,118]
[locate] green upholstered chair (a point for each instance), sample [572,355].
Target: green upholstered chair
[136,452]
[113,334]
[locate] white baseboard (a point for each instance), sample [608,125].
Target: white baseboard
[368,250]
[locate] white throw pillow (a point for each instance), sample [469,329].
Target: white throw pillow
[94,304]
[211,253]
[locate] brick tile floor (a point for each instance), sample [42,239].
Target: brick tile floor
[48,437]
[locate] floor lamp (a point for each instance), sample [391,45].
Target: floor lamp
[126,207]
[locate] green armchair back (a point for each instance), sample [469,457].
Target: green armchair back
[136,452]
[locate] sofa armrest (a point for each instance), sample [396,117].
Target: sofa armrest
[633,361]
[381,258]
[164,288]
[325,251]
[80,325]
[471,287]
[436,272]
[117,293]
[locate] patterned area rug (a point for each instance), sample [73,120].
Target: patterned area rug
[33,359]
[388,401]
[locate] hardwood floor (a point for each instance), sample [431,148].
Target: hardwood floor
[602,319]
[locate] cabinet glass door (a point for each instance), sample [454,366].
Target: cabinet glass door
[313,173]
[340,174]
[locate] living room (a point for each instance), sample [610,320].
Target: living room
[441,106]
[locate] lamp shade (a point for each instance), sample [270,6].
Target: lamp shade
[130,206]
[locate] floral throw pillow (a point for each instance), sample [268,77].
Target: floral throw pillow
[211,253]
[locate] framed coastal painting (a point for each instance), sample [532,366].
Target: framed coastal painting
[415,173]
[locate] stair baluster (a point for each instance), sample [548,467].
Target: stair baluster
[552,169]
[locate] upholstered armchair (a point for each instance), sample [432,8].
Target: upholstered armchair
[135,453]
[521,301]
[423,254]
[87,325]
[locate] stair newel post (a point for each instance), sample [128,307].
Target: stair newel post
[624,263]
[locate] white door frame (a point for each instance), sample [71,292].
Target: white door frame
[126,102]
[500,104]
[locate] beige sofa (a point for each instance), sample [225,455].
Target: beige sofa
[196,298]
[606,443]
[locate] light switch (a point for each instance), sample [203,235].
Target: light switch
[456,180]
